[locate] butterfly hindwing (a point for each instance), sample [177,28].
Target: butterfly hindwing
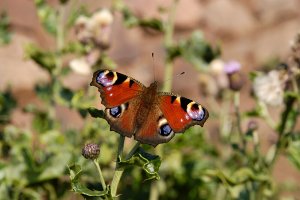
[122,118]
[155,130]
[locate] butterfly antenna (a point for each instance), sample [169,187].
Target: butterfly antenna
[177,75]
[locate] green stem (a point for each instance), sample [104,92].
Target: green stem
[60,39]
[238,119]
[282,127]
[154,191]
[266,115]
[224,115]
[120,147]
[119,171]
[168,40]
[100,174]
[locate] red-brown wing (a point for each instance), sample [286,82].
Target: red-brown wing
[155,129]
[181,113]
[122,118]
[170,114]
[120,95]
[115,88]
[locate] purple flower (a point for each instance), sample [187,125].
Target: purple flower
[232,67]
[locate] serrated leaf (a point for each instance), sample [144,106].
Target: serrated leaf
[148,162]
[75,173]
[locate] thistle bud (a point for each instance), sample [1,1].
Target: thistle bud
[91,151]
[235,78]
[252,125]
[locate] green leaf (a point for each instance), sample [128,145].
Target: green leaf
[152,23]
[148,162]
[198,51]
[47,15]
[94,112]
[130,20]
[7,104]
[239,176]
[75,173]
[45,60]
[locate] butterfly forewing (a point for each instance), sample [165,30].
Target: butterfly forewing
[115,88]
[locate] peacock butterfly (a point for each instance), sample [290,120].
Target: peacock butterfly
[150,116]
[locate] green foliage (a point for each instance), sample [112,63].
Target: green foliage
[5,35]
[7,103]
[148,162]
[47,15]
[195,50]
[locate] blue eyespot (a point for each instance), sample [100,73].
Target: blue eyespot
[115,111]
[165,130]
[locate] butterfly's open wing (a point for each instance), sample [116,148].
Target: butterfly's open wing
[120,95]
[181,113]
[170,114]
[115,88]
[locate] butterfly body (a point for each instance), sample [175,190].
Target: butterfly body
[150,116]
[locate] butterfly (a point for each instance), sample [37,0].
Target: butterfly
[152,117]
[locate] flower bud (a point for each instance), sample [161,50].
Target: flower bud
[236,81]
[91,151]
[252,125]
[235,78]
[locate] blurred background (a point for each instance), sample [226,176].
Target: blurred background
[256,34]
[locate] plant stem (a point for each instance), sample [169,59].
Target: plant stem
[100,174]
[60,39]
[238,119]
[266,115]
[168,40]
[282,126]
[154,191]
[119,171]
[224,116]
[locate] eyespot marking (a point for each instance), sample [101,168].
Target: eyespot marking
[117,111]
[164,128]
[106,78]
[195,111]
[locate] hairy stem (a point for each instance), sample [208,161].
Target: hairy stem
[238,119]
[100,174]
[119,171]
